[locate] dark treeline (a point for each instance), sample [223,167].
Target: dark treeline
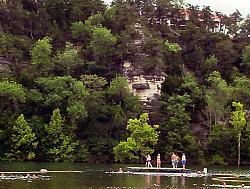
[63,97]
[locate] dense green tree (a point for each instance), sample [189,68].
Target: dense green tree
[238,120]
[41,55]
[217,97]
[172,47]
[123,103]
[65,92]
[211,63]
[246,55]
[140,141]
[23,141]
[11,94]
[59,146]
[79,78]
[102,45]
[241,90]
[191,86]
[67,60]
[175,134]
[221,145]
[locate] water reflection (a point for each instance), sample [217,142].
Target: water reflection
[152,181]
[148,179]
[94,177]
[174,181]
[158,180]
[183,182]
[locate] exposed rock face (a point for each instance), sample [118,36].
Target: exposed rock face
[4,64]
[147,87]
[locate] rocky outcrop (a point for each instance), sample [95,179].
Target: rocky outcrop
[147,87]
[4,63]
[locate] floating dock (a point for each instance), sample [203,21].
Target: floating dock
[226,186]
[158,170]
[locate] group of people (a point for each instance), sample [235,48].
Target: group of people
[174,159]
[158,161]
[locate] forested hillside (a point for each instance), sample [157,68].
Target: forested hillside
[63,96]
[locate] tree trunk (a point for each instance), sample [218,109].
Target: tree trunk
[239,150]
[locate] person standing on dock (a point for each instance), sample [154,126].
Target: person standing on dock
[148,161]
[177,161]
[158,161]
[173,160]
[183,160]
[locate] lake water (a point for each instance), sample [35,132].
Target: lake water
[94,177]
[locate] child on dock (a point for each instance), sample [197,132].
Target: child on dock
[158,161]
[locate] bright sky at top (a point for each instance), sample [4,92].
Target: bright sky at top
[224,6]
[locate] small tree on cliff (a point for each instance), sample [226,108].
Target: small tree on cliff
[143,136]
[238,120]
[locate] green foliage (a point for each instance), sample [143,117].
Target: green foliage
[191,84]
[41,52]
[59,146]
[241,90]
[246,55]
[205,72]
[172,47]
[102,44]
[65,91]
[12,90]
[175,133]
[178,102]
[238,119]
[122,99]
[221,142]
[82,30]
[211,61]
[124,104]
[119,87]
[14,47]
[126,150]
[143,137]
[23,141]
[93,82]
[96,20]
[217,160]
[67,59]
[217,97]
[77,29]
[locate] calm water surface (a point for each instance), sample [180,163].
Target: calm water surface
[94,177]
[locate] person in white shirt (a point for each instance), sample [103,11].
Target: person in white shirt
[183,161]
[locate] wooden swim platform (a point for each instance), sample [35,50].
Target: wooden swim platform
[226,186]
[154,169]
